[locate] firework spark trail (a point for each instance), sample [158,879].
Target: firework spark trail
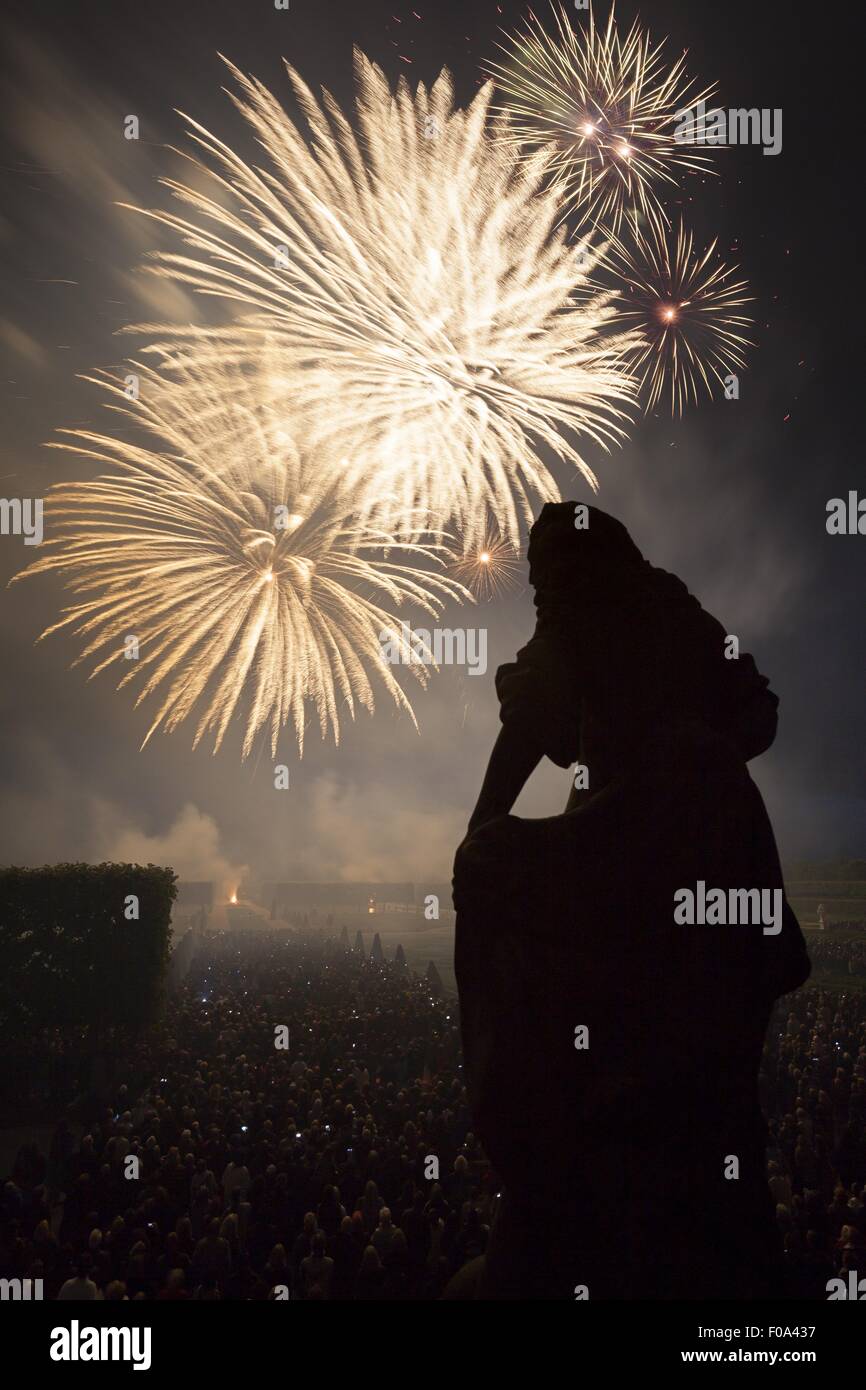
[246,589]
[687,308]
[431,323]
[602,109]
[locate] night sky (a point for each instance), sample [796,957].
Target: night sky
[732,498]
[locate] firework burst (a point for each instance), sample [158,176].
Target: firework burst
[491,568]
[222,576]
[603,110]
[429,319]
[687,307]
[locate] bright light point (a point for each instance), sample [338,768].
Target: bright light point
[484,557]
[233,898]
[269,576]
[669,314]
[625,151]
[588,128]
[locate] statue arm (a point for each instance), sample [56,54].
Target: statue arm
[516,754]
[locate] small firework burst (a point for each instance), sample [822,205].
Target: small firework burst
[604,108]
[490,569]
[687,307]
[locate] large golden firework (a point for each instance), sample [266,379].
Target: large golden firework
[430,321]
[687,308]
[603,110]
[220,574]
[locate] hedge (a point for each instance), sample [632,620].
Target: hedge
[74,955]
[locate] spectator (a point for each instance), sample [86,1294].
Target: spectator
[80,1288]
[317,1270]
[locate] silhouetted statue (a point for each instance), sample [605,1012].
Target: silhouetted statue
[612,1042]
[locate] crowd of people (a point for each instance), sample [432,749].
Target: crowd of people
[848,956]
[336,1160]
[340,1167]
[814,1094]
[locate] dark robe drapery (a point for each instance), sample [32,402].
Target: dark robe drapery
[617,1159]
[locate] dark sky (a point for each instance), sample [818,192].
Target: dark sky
[732,497]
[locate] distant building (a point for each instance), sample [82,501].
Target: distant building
[340,896]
